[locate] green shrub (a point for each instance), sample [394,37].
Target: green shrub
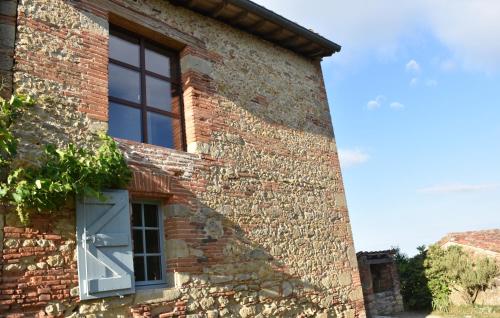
[416,294]
[428,278]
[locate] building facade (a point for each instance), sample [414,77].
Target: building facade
[236,207]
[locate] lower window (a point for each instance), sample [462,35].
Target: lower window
[148,238]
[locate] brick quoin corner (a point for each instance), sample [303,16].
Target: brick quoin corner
[255,221]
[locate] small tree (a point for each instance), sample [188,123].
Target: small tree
[477,277]
[453,268]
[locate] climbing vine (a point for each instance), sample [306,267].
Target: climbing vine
[62,173]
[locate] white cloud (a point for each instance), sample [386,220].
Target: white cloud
[375,103]
[412,66]
[352,157]
[397,106]
[414,82]
[458,187]
[431,83]
[468,29]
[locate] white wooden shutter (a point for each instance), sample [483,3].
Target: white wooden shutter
[105,252]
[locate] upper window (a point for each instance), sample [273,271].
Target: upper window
[145,103]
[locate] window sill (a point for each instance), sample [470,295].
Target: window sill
[149,294]
[137,144]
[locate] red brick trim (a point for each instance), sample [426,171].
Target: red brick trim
[146,183]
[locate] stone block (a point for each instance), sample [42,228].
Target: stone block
[6,59]
[157,295]
[287,289]
[7,35]
[177,210]
[213,228]
[197,64]
[345,279]
[176,249]
[218,279]
[8,8]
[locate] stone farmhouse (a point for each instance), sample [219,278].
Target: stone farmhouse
[237,206]
[484,243]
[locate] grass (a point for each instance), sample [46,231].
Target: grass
[471,312]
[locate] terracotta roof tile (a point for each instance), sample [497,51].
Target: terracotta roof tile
[487,239]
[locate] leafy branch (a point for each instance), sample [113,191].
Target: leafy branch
[63,173]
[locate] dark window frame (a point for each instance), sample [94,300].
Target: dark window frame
[174,80]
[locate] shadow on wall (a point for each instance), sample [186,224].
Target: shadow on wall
[220,269]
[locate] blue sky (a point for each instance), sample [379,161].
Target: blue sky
[415,101]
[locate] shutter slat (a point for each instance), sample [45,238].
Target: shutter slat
[97,285]
[112,239]
[105,252]
[110,214]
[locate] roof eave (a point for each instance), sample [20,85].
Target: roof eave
[253,18]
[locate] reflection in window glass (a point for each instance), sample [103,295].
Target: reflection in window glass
[153,241]
[160,130]
[150,215]
[139,270]
[124,83]
[147,244]
[144,93]
[138,241]
[154,267]
[124,122]
[136,214]
[158,93]
[157,63]
[124,51]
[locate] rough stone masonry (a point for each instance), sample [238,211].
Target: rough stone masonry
[255,217]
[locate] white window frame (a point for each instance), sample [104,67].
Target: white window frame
[161,234]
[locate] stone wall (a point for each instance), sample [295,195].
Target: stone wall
[8,11]
[251,230]
[380,282]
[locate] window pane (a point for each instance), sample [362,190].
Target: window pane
[158,93]
[152,241]
[160,130]
[138,242]
[123,50]
[154,267]
[150,215]
[139,269]
[136,215]
[158,63]
[124,83]
[124,122]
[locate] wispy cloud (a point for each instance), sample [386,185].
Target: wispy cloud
[414,82]
[375,103]
[458,187]
[469,31]
[352,157]
[413,66]
[396,106]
